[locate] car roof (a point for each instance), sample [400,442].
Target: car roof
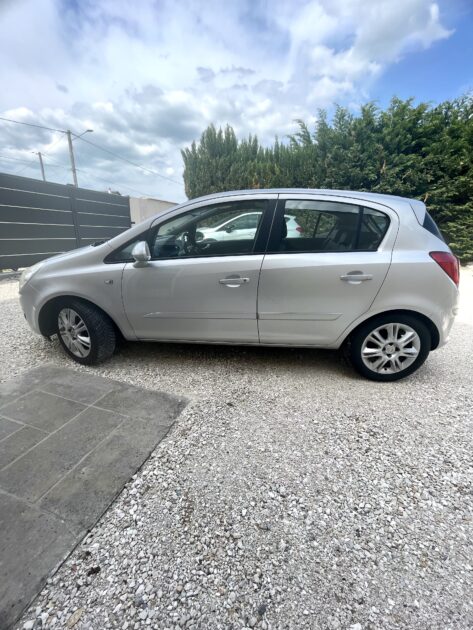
[321,191]
[389,200]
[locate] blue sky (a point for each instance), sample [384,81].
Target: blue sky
[148,77]
[441,72]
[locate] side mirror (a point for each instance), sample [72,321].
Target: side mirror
[229,229]
[141,254]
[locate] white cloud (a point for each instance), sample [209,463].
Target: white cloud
[148,77]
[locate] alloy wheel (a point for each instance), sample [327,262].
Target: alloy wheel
[74,332]
[390,348]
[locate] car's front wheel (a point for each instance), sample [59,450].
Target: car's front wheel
[390,347]
[85,332]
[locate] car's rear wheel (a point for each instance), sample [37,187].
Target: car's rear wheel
[390,347]
[85,332]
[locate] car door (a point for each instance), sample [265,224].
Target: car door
[195,289]
[314,285]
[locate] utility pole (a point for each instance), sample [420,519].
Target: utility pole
[41,165]
[71,155]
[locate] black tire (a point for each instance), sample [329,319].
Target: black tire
[359,336]
[100,328]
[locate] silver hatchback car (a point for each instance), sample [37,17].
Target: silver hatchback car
[364,272]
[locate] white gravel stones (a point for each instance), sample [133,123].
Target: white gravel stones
[290,494]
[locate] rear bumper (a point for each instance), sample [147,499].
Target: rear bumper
[444,322]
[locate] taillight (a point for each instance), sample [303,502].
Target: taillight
[449,264]
[299,229]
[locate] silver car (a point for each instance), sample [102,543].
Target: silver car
[367,273]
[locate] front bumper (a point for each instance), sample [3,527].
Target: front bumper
[28,301]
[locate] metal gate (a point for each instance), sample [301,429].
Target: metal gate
[39,219]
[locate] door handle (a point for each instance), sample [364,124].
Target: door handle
[355,277]
[234,282]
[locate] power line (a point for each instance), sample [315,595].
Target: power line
[100,179]
[143,168]
[21,170]
[32,163]
[55,163]
[140,192]
[107,183]
[78,137]
[47,154]
[5,157]
[68,133]
[21,122]
[28,163]
[54,144]
[81,170]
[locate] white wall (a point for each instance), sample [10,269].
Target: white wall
[143,207]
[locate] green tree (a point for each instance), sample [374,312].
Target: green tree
[410,150]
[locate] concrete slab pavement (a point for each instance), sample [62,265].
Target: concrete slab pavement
[69,442]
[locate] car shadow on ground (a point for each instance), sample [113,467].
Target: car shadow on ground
[255,358]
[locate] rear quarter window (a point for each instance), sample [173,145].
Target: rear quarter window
[329,226]
[430,225]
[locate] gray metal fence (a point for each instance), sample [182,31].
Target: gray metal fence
[39,219]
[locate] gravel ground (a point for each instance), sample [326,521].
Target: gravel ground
[290,494]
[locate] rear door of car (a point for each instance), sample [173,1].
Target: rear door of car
[314,286]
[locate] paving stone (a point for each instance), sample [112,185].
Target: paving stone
[81,387]
[7,427]
[17,443]
[33,474]
[26,382]
[82,495]
[84,388]
[64,466]
[32,543]
[42,410]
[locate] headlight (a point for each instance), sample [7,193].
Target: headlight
[28,273]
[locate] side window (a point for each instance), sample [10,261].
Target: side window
[328,226]
[325,224]
[222,229]
[243,222]
[373,227]
[430,225]
[253,220]
[123,254]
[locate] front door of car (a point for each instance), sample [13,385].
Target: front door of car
[199,289]
[314,286]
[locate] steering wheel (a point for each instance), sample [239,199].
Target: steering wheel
[200,247]
[184,244]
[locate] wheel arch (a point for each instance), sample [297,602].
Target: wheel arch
[47,320]
[432,328]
